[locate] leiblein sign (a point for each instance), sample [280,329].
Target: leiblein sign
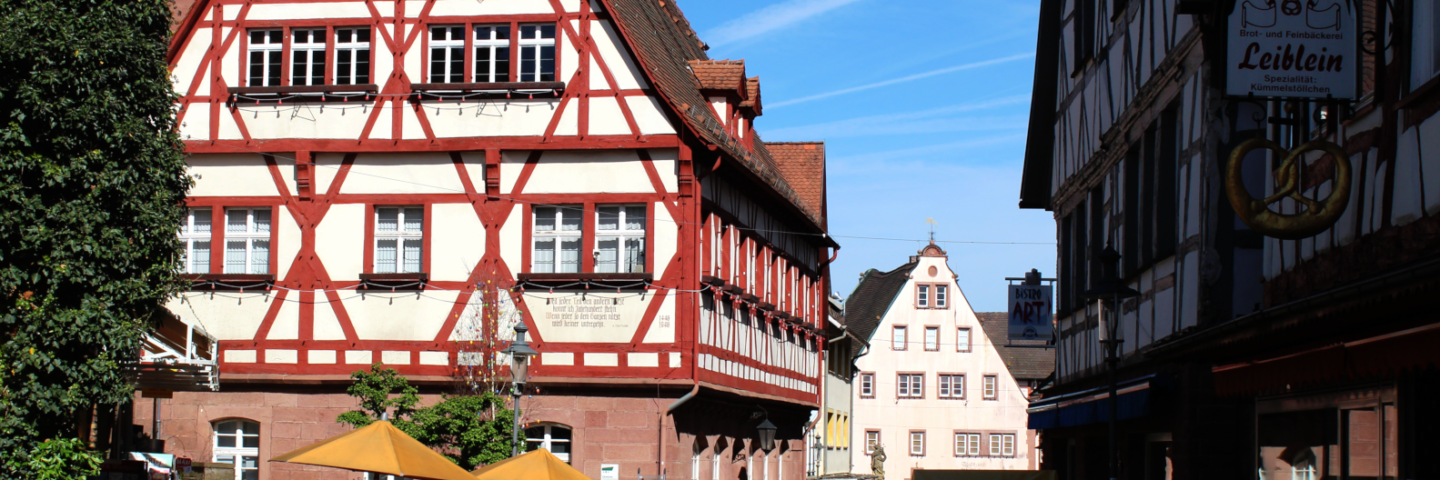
[1293,48]
[1030,317]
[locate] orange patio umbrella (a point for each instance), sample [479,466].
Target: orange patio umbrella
[378,448]
[535,465]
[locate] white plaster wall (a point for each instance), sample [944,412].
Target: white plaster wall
[606,117]
[225,315]
[458,241]
[662,329]
[940,419]
[196,124]
[287,321]
[597,171]
[288,244]
[515,117]
[305,11]
[512,240]
[397,316]
[301,120]
[342,234]
[487,7]
[326,325]
[622,66]
[667,239]
[185,69]
[649,115]
[230,175]
[393,173]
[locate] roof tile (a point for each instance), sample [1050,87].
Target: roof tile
[803,166]
[1024,362]
[719,74]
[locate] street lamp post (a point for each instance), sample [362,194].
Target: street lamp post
[520,353]
[1109,290]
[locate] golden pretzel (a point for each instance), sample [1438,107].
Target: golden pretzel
[1317,217]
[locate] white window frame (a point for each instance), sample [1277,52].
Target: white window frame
[872,438]
[867,385]
[1425,44]
[313,46]
[910,385]
[922,296]
[272,53]
[1002,444]
[917,450]
[715,464]
[962,339]
[941,296]
[192,234]
[403,235]
[932,339]
[450,46]
[991,387]
[574,214]
[765,465]
[898,340]
[348,41]
[623,263]
[492,53]
[951,386]
[239,452]
[967,444]
[532,50]
[547,440]
[253,235]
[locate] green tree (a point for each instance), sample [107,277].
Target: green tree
[469,430]
[92,179]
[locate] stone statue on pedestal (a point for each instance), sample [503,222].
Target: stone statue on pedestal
[877,462]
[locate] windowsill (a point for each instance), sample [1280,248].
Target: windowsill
[228,281]
[395,281]
[766,306]
[334,93]
[584,277]
[1418,94]
[716,281]
[497,88]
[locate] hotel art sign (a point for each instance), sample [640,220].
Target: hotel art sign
[1293,48]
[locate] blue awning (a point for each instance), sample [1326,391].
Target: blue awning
[1092,406]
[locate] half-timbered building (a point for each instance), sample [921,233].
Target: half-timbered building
[1242,354]
[401,182]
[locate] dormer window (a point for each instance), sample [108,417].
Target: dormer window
[922,296]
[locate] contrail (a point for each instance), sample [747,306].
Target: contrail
[903,79]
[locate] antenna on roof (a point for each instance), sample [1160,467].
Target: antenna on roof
[931,221]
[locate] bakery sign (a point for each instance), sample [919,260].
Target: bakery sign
[1293,48]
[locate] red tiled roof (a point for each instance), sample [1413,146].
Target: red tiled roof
[803,166]
[752,95]
[719,74]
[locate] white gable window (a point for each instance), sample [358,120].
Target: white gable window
[556,240]
[942,296]
[266,48]
[1002,444]
[867,385]
[555,438]
[307,57]
[990,387]
[952,386]
[247,241]
[399,239]
[492,53]
[237,442]
[1425,45]
[537,53]
[967,444]
[352,56]
[897,338]
[620,239]
[917,444]
[962,339]
[447,54]
[932,338]
[922,296]
[195,234]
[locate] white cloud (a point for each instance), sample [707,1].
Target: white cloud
[933,120]
[770,18]
[893,81]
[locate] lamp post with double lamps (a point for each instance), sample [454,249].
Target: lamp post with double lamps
[1109,290]
[520,353]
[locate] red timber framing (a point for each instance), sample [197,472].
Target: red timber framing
[309,284]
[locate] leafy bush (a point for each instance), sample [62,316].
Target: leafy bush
[470,430]
[58,459]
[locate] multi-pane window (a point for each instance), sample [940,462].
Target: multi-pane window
[554,438]
[266,50]
[941,296]
[620,239]
[922,296]
[1002,444]
[989,387]
[447,54]
[962,339]
[247,240]
[867,385]
[307,57]
[1425,49]
[967,444]
[195,233]
[872,438]
[917,443]
[897,338]
[556,247]
[237,442]
[399,239]
[952,386]
[537,53]
[352,56]
[932,338]
[910,385]
[492,53]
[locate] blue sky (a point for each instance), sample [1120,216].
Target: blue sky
[922,105]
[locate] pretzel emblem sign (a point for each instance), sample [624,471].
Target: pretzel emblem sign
[1318,215]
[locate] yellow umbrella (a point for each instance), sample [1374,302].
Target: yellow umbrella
[379,448]
[536,465]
